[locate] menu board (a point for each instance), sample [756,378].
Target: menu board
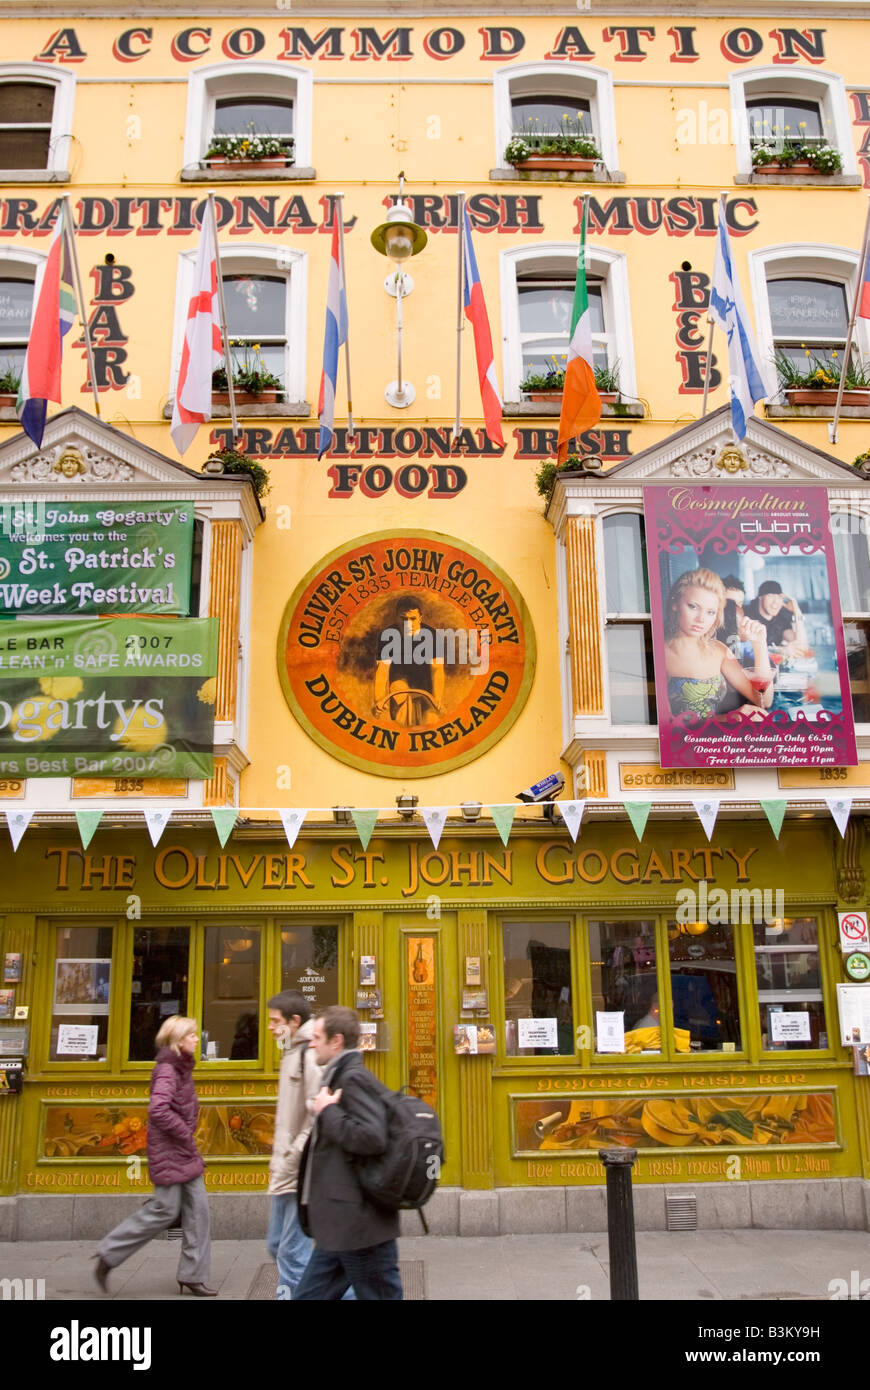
[422,1019]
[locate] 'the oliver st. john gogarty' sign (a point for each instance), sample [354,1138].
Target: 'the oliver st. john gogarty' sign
[406,653]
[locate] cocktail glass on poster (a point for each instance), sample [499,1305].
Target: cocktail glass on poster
[81,986]
[748,641]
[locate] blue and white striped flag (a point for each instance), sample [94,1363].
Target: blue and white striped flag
[750,380]
[334,337]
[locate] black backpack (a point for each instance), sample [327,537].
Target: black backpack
[405,1176]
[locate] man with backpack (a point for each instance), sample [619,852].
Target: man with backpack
[355,1240]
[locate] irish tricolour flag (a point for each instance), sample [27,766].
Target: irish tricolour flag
[581,403]
[53,315]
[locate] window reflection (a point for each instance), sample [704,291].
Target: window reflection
[623,958]
[537,987]
[158,987]
[82,988]
[231,994]
[704,987]
[790,999]
[309,963]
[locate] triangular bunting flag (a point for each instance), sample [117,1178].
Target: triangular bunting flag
[840,808]
[157,822]
[638,814]
[435,816]
[224,819]
[365,822]
[504,819]
[18,822]
[292,822]
[87,822]
[572,814]
[775,812]
[707,812]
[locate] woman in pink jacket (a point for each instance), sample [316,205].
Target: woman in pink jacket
[175,1165]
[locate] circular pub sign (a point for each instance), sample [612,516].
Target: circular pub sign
[858,966]
[407,654]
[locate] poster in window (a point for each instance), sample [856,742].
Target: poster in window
[750,658]
[12,968]
[81,986]
[7,1003]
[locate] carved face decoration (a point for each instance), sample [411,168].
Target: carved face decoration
[70,463]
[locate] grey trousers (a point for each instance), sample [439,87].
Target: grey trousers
[158,1214]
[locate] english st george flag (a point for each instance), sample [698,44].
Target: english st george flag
[202,345]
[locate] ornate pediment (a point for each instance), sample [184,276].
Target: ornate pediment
[729,461]
[65,464]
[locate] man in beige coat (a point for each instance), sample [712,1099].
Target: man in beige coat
[298,1083]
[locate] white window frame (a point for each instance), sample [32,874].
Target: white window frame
[768,83]
[610,267]
[616,619]
[207,84]
[838,264]
[595,85]
[64,85]
[254,260]
[21,262]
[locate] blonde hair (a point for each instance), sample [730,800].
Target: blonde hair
[174,1030]
[695,579]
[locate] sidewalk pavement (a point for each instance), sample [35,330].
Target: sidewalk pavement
[704,1266]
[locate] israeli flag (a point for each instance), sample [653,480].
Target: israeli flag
[750,381]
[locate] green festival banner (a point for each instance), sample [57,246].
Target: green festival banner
[95,557]
[112,697]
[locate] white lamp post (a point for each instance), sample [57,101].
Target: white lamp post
[399,238]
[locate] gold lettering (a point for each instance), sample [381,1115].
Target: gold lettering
[341,859]
[565,873]
[201,880]
[632,874]
[160,867]
[64,854]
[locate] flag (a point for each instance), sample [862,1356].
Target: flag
[750,381]
[53,315]
[334,337]
[203,347]
[864,290]
[581,403]
[475,312]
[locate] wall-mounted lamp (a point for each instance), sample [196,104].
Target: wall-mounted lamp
[341,815]
[471,810]
[399,238]
[406,805]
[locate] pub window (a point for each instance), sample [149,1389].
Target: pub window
[790,1001]
[35,120]
[265,292]
[158,984]
[704,997]
[769,103]
[81,994]
[16,308]
[539,1017]
[273,98]
[537,299]
[628,627]
[231,994]
[850,532]
[537,97]
[623,962]
[309,962]
[809,318]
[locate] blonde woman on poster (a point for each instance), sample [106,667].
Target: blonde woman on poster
[702,671]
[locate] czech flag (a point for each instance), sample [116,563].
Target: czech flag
[203,345]
[475,312]
[334,337]
[53,315]
[581,403]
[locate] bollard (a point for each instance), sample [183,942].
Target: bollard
[618,1164]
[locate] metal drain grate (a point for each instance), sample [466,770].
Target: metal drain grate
[682,1210]
[413,1274]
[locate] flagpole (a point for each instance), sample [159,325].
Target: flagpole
[459,308]
[833,427]
[228,361]
[339,213]
[66,214]
[708,373]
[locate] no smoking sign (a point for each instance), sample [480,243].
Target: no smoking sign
[853,931]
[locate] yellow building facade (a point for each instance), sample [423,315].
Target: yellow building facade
[466,918]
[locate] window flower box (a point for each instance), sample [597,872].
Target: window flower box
[554,396]
[249,166]
[8,398]
[825,396]
[557,162]
[268,396]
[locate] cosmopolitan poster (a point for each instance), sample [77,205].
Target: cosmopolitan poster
[750,659]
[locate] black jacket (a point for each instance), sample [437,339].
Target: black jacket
[338,1215]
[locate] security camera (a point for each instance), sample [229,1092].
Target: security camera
[543,791]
